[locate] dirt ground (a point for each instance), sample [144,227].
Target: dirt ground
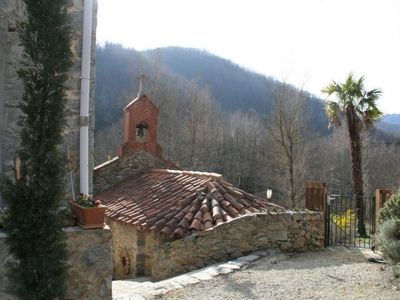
[335,273]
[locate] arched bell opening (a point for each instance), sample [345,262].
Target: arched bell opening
[142,130]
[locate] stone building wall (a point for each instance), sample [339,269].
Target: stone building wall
[90,263]
[111,172]
[5,257]
[287,231]
[12,12]
[133,251]
[124,248]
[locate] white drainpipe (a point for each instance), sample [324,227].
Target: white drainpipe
[85,92]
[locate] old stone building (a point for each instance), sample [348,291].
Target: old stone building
[12,12]
[157,213]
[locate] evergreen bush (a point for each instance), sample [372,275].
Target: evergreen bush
[33,221]
[390,240]
[391,209]
[390,231]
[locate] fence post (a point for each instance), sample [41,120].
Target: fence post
[381,196]
[317,200]
[316,195]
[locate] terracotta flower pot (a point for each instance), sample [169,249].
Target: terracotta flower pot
[89,217]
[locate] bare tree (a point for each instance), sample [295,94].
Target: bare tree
[379,163]
[199,107]
[287,129]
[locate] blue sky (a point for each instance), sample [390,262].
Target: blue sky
[307,43]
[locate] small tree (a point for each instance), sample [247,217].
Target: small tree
[34,224]
[360,110]
[287,129]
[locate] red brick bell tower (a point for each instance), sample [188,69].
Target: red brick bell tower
[140,125]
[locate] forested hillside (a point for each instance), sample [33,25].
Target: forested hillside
[215,116]
[390,125]
[233,87]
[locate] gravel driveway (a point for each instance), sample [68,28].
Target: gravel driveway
[336,273]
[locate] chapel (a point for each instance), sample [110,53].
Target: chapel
[151,201]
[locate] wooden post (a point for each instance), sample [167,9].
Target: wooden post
[381,196]
[317,200]
[316,196]
[17,167]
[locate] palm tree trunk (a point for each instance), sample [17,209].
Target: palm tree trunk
[355,145]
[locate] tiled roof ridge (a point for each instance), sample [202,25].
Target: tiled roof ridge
[179,203]
[167,163]
[186,172]
[218,202]
[107,162]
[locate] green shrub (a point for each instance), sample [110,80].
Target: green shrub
[33,223]
[391,209]
[390,240]
[396,270]
[390,232]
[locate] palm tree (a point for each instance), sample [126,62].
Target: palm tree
[358,106]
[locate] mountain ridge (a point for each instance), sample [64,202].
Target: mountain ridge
[234,88]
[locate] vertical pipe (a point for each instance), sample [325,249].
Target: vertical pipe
[328,223]
[355,222]
[341,214]
[336,226]
[344,207]
[354,228]
[85,93]
[3,37]
[370,224]
[373,220]
[358,236]
[348,229]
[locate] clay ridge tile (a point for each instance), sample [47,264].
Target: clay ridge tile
[178,203]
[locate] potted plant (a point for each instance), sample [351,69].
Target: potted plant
[89,212]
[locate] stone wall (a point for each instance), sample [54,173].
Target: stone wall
[287,231]
[111,172]
[90,262]
[5,257]
[12,12]
[124,249]
[133,251]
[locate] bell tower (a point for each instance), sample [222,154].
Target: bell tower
[140,125]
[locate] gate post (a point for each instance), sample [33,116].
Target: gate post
[381,196]
[316,196]
[317,200]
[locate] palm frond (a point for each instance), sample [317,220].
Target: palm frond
[352,95]
[371,115]
[333,112]
[331,88]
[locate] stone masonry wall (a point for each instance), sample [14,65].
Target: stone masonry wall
[124,249]
[133,251]
[12,12]
[90,263]
[5,257]
[109,173]
[288,231]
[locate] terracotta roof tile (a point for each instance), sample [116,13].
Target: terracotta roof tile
[178,203]
[216,212]
[196,225]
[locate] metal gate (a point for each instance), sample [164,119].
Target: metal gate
[343,217]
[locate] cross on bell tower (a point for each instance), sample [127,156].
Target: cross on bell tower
[140,124]
[142,78]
